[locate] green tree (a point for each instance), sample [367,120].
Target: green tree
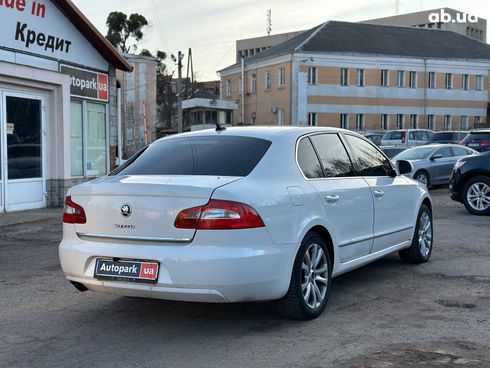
[120,29]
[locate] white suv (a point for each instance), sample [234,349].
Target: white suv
[407,137]
[244,214]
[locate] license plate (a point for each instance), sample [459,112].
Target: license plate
[473,144]
[126,270]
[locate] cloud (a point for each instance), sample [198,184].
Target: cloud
[211,27]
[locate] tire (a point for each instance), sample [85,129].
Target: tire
[476,195]
[421,248]
[423,177]
[299,303]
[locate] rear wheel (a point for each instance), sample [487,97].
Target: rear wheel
[476,195]
[421,247]
[423,177]
[309,288]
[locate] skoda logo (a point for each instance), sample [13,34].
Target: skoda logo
[126,210]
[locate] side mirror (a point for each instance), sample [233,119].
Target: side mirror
[403,167]
[436,156]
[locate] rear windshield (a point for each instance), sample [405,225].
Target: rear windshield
[443,136]
[216,156]
[478,137]
[397,134]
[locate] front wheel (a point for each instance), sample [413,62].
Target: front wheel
[476,195]
[423,177]
[421,247]
[309,288]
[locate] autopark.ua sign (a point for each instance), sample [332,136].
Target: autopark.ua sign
[87,84]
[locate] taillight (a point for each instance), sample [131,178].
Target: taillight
[485,144]
[404,136]
[219,215]
[73,213]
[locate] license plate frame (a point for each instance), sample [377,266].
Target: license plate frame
[127,270]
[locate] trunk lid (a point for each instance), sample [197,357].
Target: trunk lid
[142,208]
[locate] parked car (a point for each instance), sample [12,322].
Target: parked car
[448,137]
[392,151]
[432,164]
[243,214]
[374,137]
[470,183]
[478,139]
[407,137]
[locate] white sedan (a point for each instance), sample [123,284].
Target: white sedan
[244,214]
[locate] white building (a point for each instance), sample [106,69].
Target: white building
[58,116]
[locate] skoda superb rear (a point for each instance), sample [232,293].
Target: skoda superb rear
[239,215]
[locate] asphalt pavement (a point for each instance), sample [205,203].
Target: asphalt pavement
[387,314]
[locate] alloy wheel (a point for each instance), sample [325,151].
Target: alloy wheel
[478,196]
[422,178]
[314,276]
[425,234]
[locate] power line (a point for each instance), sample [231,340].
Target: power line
[158,25]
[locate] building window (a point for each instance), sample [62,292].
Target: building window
[413,80]
[477,122]
[448,82]
[312,119]
[400,78]
[229,118]
[312,75]
[479,83]
[463,125]
[385,122]
[465,82]
[431,122]
[413,121]
[228,88]
[253,83]
[280,116]
[399,121]
[432,80]
[267,81]
[447,122]
[344,122]
[360,121]
[282,77]
[88,138]
[384,78]
[360,77]
[344,77]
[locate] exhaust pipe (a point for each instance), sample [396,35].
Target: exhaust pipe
[78,286]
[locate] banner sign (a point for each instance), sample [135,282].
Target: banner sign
[38,27]
[87,84]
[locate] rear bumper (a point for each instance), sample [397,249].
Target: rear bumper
[218,266]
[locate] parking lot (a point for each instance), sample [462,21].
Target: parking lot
[387,314]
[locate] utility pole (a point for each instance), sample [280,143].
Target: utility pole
[180,122]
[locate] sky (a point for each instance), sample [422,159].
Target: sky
[211,27]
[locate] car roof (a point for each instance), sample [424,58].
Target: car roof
[480,131]
[264,132]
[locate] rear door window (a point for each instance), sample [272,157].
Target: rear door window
[333,156]
[460,151]
[206,155]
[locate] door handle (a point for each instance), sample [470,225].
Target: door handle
[379,193]
[332,198]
